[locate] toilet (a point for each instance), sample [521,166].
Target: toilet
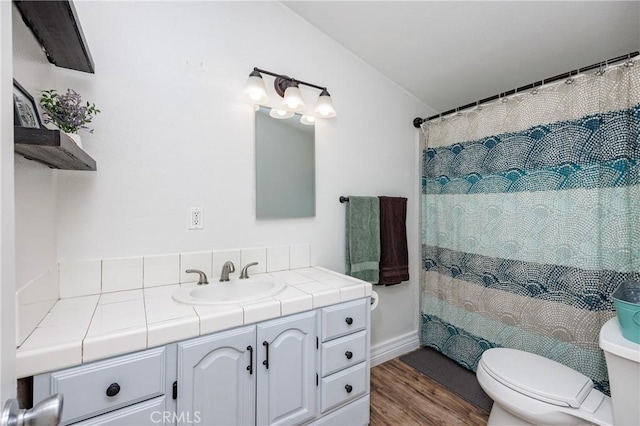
[528,389]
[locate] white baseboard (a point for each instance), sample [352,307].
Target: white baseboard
[395,347]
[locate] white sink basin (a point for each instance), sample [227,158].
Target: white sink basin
[222,293]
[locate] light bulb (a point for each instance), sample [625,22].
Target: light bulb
[293,98]
[325,105]
[254,89]
[308,120]
[280,113]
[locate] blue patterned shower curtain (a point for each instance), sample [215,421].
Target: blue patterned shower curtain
[530,219]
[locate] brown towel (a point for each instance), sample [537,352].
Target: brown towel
[394,256]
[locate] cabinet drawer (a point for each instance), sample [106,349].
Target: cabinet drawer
[344,352]
[136,377]
[343,386]
[150,412]
[354,414]
[344,319]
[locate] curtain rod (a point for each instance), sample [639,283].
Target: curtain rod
[417,122]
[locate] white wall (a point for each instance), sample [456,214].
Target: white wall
[36,197]
[174,133]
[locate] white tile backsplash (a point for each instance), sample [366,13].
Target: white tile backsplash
[161,270]
[255,255]
[196,260]
[121,274]
[299,256]
[277,259]
[80,278]
[43,288]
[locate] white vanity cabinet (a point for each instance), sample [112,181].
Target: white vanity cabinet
[286,379]
[109,386]
[264,373]
[306,368]
[344,363]
[216,378]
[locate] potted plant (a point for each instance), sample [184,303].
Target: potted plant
[68,112]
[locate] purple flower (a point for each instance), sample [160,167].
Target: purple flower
[67,111]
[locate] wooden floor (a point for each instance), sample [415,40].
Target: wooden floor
[402,396]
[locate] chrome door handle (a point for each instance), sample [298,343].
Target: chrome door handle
[47,412]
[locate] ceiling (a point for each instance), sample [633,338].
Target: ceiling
[449,54]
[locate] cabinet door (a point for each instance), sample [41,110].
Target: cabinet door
[216,379]
[287,370]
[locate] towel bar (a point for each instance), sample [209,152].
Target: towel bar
[344,199]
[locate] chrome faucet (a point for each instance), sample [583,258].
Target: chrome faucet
[244,273]
[202,279]
[226,268]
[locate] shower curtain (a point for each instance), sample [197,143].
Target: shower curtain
[530,219]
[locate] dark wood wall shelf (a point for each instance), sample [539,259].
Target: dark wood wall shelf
[56,27]
[51,147]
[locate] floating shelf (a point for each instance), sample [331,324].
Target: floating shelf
[51,147]
[56,27]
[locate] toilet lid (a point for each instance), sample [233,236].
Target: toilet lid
[537,377]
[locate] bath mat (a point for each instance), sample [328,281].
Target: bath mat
[449,374]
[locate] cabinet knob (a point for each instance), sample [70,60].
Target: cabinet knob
[349,320]
[348,388]
[113,389]
[348,354]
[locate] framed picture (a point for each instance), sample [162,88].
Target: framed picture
[25,113]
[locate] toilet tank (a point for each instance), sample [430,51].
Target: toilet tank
[623,366]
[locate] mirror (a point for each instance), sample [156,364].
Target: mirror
[285,167]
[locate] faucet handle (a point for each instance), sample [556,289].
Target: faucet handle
[202,278]
[244,274]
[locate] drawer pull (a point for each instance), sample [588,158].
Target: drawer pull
[348,354]
[348,388]
[349,320]
[113,389]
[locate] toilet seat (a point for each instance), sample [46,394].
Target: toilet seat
[537,377]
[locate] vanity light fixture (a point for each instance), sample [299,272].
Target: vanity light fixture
[288,89]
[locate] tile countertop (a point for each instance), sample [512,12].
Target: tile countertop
[88,328]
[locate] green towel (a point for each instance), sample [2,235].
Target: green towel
[363,238]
